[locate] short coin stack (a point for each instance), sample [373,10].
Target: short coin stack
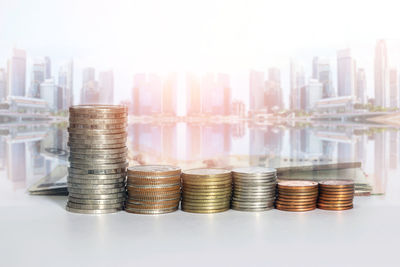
[97,173]
[206,190]
[336,195]
[297,195]
[153,189]
[253,188]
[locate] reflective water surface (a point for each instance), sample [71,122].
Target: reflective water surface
[30,152]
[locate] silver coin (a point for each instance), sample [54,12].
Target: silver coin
[243,196]
[94,206]
[78,156]
[100,166]
[83,211]
[153,211]
[98,151]
[249,191]
[96,132]
[96,161]
[95,191]
[96,182]
[253,170]
[95,186]
[97,126]
[89,141]
[97,176]
[99,172]
[96,196]
[252,209]
[73,146]
[251,205]
[254,184]
[96,201]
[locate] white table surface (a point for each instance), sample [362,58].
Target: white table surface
[38,231]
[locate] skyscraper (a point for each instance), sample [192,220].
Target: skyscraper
[193,94]
[106,87]
[256,90]
[273,90]
[322,70]
[170,88]
[3,84]
[65,81]
[215,94]
[47,63]
[382,94]
[297,81]
[17,73]
[394,89]
[147,94]
[89,91]
[49,93]
[361,86]
[345,73]
[38,76]
[314,91]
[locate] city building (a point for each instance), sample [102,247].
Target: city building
[17,73]
[238,108]
[394,89]
[314,92]
[147,94]
[49,93]
[273,90]
[47,63]
[216,94]
[381,71]
[3,84]
[106,87]
[90,89]
[361,87]
[345,73]
[38,77]
[322,73]
[169,94]
[193,94]
[65,82]
[297,81]
[256,90]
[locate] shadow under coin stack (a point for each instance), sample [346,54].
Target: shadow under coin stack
[206,190]
[297,195]
[336,195]
[97,173]
[253,188]
[153,189]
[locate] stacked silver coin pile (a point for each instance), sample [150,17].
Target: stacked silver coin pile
[253,188]
[97,173]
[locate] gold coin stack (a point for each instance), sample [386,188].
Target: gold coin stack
[297,195]
[153,189]
[206,190]
[336,195]
[97,172]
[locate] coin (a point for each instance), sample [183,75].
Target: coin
[94,206]
[95,186]
[96,201]
[297,184]
[87,211]
[336,195]
[96,196]
[153,212]
[95,191]
[103,137]
[98,152]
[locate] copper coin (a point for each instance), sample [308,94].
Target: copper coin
[336,208]
[154,170]
[337,183]
[334,205]
[296,209]
[297,184]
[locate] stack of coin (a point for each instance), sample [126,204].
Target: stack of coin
[206,190]
[153,189]
[336,195]
[253,188]
[297,195]
[97,172]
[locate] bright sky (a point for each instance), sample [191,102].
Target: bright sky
[170,35]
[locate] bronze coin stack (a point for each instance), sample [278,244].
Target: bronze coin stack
[297,195]
[206,190]
[336,195]
[153,189]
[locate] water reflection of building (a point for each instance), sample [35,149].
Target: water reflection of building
[265,145]
[147,94]
[154,143]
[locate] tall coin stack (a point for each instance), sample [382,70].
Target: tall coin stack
[97,172]
[253,188]
[153,189]
[336,195]
[297,195]
[206,190]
